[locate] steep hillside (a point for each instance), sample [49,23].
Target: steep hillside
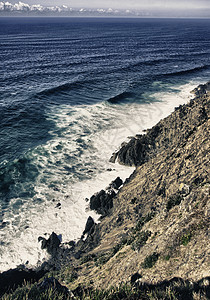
[158,225]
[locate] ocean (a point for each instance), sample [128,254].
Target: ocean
[71,91]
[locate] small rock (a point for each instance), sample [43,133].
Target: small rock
[115,184]
[72,243]
[135,277]
[78,255]
[89,224]
[184,189]
[113,157]
[52,244]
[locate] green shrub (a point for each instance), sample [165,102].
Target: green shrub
[134,200]
[174,200]
[142,221]
[186,238]
[140,240]
[103,258]
[87,258]
[150,260]
[167,257]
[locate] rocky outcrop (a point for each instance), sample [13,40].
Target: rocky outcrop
[52,244]
[102,202]
[89,226]
[116,184]
[168,133]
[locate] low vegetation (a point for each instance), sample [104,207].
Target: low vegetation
[175,289]
[174,200]
[150,260]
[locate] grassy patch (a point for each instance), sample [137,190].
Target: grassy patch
[68,274]
[102,258]
[87,258]
[33,292]
[175,289]
[105,257]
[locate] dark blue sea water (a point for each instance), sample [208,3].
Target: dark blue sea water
[71,90]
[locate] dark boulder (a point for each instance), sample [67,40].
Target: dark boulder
[115,184]
[72,243]
[78,254]
[135,277]
[102,202]
[58,205]
[52,244]
[89,225]
[113,157]
[137,150]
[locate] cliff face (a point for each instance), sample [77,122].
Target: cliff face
[158,225]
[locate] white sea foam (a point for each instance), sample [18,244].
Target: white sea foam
[74,165]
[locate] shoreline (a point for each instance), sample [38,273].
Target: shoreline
[95,232]
[144,116]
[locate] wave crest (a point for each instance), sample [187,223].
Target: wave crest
[120,97]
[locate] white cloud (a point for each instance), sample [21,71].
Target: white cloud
[24,7]
[130,8]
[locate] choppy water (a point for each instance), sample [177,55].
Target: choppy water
[71,91]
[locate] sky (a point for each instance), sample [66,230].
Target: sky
[127,4]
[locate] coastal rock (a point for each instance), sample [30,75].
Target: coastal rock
[113,157]
[102,202]
[163,208]
[115,184]
[52,244]
[89,225]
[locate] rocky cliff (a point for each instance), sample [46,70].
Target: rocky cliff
[158,225]
[155,228]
